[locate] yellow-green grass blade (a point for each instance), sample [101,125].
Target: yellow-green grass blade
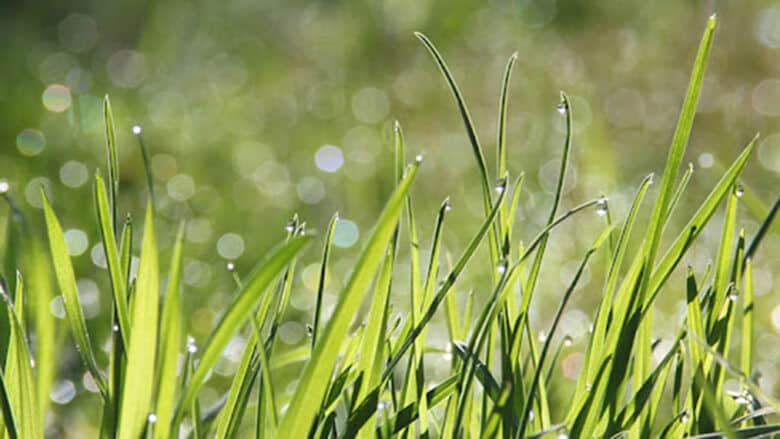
[314,380]
[666,193]
[135,406]
[697,222]
[594,352]
[723,260]
[171,338]
[19,370]
[112,160]
[240,310]
[66,280]
[117,277]
[539,364]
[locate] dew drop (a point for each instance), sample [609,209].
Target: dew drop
[651,179]
[137,130]
[501,267]
[231,267]
[447,205]
[191,346]
[32,363]
[542,336]
[152,418]
[500,186]
[4,186]
[733,296]
[739,191]
[568,341]
[602,206]
[418,158]
[309,329]
[115,328]
[686,417]
[561,108]
[290,227]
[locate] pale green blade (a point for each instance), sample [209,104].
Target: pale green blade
[135,405]
[171,332]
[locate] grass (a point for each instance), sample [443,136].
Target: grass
[371,380]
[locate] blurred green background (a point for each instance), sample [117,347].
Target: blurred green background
[256,110]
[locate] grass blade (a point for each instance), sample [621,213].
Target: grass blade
[117,277]
[66,279]
[171,337]
[135,406]
[240,310]
[312,385]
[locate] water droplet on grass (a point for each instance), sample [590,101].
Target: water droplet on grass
[152,418]
[602,206]
[739,191]
[137,130]
[501,267]
[561,108]
[500,186]
[686,417]
[231,267]
[447,205]
[4,186]
[191,346]
[115,328]
[418,158]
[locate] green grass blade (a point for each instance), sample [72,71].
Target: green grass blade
[19,370]
[748,324]
[66,279]
[326,248]
[313,382]
[445,287]
[112,160]
[473,139]
[171,338]
[9,420]
[117,277]
[765,225]
[240,310]
[696,224]
[135,406]
[565,107]
[535,382]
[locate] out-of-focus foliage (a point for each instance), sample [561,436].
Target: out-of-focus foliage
[255,110]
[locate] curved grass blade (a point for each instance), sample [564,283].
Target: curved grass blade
[135,406]
[171,333]
[313,382]
[473,139]
[240,310]
[66,279]
[118,281]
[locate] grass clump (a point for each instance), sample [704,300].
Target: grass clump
[371,380]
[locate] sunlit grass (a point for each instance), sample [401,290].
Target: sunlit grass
[371,380]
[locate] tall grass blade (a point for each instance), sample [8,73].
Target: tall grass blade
[135,406]
[171,339]
[112,160]
[313,382]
